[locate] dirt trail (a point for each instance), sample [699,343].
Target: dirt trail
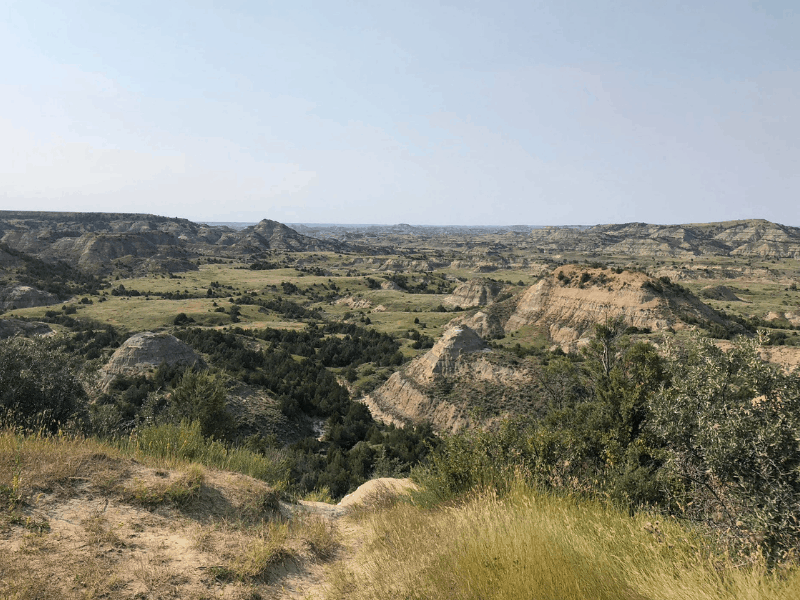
[311,583]
[90,541]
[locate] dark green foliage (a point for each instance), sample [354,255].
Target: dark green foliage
[182,319]
[200,396]
[39,386]
[702,434]
[730,423]
[56,278]
[265,265]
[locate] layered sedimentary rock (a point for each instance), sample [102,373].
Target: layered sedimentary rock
[405,397]
[475,292]
[574,299]
[459,383]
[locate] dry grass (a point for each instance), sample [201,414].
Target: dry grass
[535,546]
[79,519]
[319,535]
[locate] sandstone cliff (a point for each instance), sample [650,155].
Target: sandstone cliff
[475,292]
[573,299]
[459,383]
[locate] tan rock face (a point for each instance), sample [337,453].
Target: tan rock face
[406,396]
[145,351]
[442,359]
[403,400]
[574,299]
[476,292]
[357,303]
[487,325]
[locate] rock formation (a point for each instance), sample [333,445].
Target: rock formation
[144,352]
[752,237]
[572,300]
[406,398]
[475,292]
[458,381]
[24,296]
[94,241]
[719,292]
[13,327]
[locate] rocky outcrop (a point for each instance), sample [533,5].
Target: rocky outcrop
[271,235]
[445,386]
[488,325]
[357,303]
[443,358]
[14,327]
[573,299]
[24,296]
[475,292]
[144,352]
[93,241]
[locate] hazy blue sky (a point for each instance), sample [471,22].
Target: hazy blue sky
[424,112]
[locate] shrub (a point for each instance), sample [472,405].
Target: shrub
[200,396]
[39,385]
[730,423]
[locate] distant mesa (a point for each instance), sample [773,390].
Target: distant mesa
[752,237]
[100,242]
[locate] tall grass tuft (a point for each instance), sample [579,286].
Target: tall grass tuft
[534,545]
[185,443]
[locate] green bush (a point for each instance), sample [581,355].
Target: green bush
[730,422]
[200,396]
[39,385]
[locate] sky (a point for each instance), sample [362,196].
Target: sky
[552,112]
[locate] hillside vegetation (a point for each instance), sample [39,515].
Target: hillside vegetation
[224,387]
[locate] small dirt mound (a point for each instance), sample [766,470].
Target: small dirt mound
[146,351]
[378,490]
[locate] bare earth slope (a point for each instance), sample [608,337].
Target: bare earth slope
[458,383]
[573,299]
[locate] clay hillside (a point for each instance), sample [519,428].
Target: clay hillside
[97,242]
[459,383]
[569,302]
[753,237]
